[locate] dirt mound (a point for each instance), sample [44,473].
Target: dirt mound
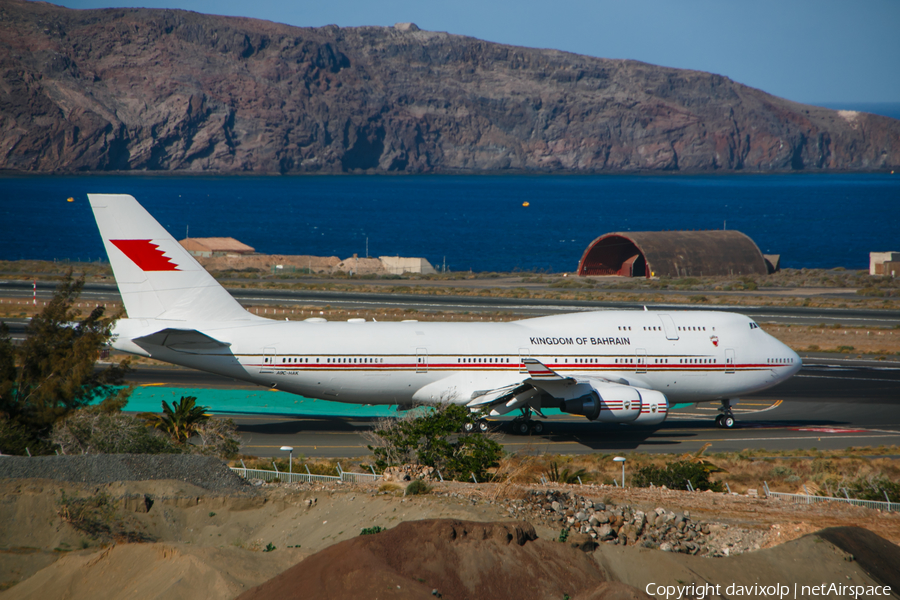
[171,571]
[879,557]
[446,558]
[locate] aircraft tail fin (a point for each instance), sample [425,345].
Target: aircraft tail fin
[157,277]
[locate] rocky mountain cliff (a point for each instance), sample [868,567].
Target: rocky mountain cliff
[94,90]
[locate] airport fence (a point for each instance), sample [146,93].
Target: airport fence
[307,477]
[810,499]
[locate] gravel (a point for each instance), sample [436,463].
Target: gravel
[627,525]
[203,471]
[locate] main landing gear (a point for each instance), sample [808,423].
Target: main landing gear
[524,424]
[726,419]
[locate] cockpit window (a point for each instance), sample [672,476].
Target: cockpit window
[753,325]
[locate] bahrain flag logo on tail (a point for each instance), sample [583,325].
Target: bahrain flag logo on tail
[145,254]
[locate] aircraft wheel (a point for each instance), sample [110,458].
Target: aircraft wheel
[469,427]
[719,420]
[483,426]
[728,422]
[537,427]
[521,427]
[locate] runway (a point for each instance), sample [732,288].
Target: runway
[103,292]
[833,403]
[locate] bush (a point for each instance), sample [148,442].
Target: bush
[675,477]
[91,431]
[372,530]
[781,471]
[53,372]
[874,489]
[565,476]
[17,439]
[433,440]
[389,488]
[417,487]
[218,437]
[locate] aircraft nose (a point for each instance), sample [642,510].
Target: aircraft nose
[796,362]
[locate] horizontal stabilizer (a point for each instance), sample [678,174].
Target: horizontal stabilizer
[181,340]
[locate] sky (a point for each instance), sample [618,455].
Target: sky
[812,51]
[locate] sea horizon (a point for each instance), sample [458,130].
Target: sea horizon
[478,222]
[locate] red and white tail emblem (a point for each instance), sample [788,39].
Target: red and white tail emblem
[714,339]
[145,254]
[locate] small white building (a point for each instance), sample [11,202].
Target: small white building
[398,265]
[877,262]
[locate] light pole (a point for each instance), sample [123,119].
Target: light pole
[621,459]
[291,457]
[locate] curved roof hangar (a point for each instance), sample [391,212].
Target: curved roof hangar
[672,254]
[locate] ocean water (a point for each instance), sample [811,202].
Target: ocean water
[475,222]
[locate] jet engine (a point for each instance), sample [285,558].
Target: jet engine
[605,402]
[654,408]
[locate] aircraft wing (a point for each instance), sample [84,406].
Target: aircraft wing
[541,380]
[181,340]
[500,401]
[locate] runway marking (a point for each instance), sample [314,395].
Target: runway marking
[301,418]
[851,378]
[684,415]
[313,446]
[812,437]
[827,430]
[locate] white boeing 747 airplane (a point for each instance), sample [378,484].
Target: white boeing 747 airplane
[609,366]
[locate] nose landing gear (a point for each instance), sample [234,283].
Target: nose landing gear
[726,419]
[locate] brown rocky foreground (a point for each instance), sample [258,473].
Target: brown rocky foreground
[460,541]
[171,90]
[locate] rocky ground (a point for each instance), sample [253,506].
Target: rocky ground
[627,525]
[171,90]
[64,537]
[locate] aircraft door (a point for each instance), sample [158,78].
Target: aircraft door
[729,361]
[669,327]
[421,360]
[268,361]
[523,354]
[640,360]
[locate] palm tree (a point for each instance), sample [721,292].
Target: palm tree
[180,420]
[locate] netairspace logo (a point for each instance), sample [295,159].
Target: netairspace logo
[706,590]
